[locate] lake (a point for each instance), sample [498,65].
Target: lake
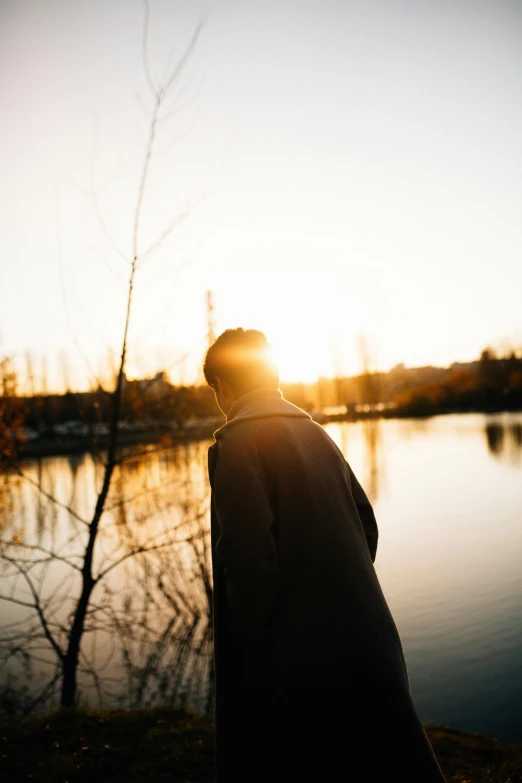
[447,493]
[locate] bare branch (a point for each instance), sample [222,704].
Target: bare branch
[145,50]
[180,65]
[108,237]
[17,601]
[138,495]
[50,497]
[144,549]
[44,694]
[38,608]
[37,548]
[178,220]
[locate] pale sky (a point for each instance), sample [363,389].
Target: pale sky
[351,167]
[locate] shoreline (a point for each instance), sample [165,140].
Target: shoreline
[63,446]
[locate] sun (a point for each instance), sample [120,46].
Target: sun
[306,320]
[300,358]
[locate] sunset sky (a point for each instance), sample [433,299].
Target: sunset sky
[350,167]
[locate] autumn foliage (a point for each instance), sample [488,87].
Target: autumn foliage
[496,384]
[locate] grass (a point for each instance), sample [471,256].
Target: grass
[465,757]
[108,747]
[120,746]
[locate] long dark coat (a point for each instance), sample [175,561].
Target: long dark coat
[311,682]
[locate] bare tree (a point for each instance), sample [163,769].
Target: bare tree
[80,571]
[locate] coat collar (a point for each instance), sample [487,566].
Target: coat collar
[259,404]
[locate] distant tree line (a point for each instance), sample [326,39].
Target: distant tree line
[493,382]
[145,400]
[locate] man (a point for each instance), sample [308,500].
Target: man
[311,683]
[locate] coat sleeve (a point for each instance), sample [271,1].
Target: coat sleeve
[245,545]
[366,515]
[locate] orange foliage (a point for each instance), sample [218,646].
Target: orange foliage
[11,433]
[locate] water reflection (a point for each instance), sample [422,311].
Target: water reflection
[148,635]
[148,638]
[504,439]
[452,579]
[361,444]
[374,457]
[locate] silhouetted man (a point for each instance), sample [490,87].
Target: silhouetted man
[311,683]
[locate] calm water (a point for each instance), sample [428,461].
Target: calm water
[447,493]
[448,499]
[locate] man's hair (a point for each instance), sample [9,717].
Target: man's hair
[242,358]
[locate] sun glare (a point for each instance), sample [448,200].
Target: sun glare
[300,360]
[308,323]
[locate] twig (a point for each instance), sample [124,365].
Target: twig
[50,497]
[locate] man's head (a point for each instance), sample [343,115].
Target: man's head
[238,362]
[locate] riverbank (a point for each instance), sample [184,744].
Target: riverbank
[196,430]
[117,746]
[80,444]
